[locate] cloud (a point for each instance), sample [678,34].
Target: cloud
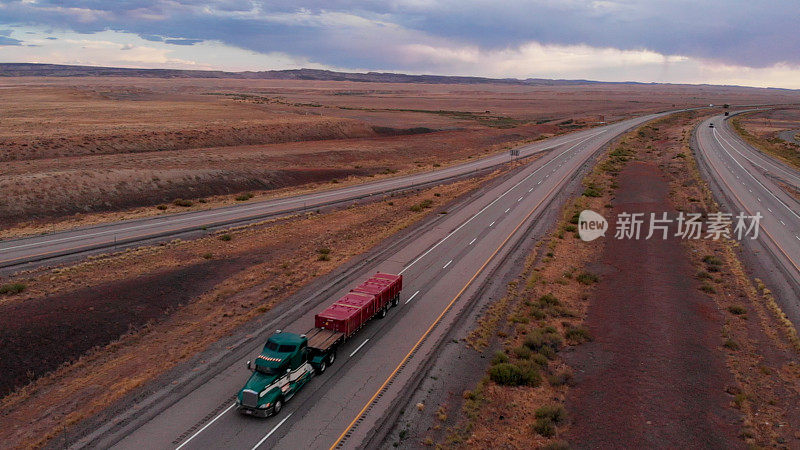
[182,41]
[9,41]
[117,49]
[621,39]
[753,33]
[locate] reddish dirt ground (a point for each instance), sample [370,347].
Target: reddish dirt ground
[654,375]
[40,334]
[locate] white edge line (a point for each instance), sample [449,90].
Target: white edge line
[206,426]
[272,431]
[751,175]
[359,347]
[412,297]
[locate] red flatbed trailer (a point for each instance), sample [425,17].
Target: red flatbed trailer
[393,285]
[353,310]
[396,281]
[341,318]
[379,291]
[364,303]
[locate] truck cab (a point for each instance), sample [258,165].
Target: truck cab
[279,372]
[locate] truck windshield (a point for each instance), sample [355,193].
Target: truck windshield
[268,370]
[271,346]
[286,348]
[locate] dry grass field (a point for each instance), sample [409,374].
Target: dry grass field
[78,146]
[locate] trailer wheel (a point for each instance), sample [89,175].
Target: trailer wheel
[382,312]
[277,408]
[396,300]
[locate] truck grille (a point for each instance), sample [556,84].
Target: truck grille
[250,398]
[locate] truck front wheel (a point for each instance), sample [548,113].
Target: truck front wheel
[277,408]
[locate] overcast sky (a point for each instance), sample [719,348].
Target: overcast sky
[750,42]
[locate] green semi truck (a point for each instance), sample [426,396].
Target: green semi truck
[289,360]
[285,365]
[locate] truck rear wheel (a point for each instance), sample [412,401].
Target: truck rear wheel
[322,366]
[331,358]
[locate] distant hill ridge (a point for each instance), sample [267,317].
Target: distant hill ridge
[57,70]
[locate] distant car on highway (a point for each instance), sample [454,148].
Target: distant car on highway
[711,125]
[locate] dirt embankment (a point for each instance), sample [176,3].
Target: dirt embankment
[40,334]
[47,197]
[143,311]
[678,346]
[241,133]
[768,130]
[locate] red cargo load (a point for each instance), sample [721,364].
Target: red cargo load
[395,282]
[341,318]
[364,302]
[350,312]
[380,291]
[395,279]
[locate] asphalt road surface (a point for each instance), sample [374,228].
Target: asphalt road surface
[16,252]
[443,266]
[749,180]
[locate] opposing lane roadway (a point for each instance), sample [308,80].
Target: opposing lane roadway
[748,179]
